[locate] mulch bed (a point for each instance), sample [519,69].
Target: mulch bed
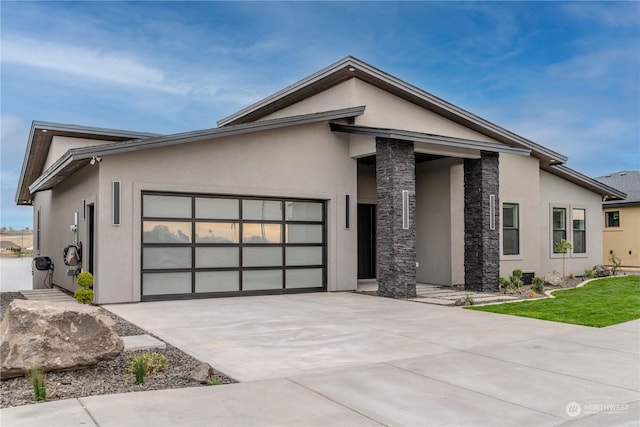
[108,376]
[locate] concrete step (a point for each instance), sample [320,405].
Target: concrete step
[54,295]
[142,342]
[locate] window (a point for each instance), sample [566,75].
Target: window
[559,226]
[216,245]
[510,229]
[612,219]
[579,231]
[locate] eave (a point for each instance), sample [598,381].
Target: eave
[439,140]
[77,158]
[39,142]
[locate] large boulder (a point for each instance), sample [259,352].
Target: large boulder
[602,270]
[54,336]
[553,279]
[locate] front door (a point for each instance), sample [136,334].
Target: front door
[366,241]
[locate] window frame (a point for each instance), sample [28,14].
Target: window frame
[619,219]
[569,208]
[518,254]
[574,253]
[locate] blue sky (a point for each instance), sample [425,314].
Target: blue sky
[563,74]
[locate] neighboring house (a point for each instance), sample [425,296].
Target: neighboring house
[621,219]
[347,174]
[7,245]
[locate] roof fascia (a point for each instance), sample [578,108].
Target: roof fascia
[429,139]
[86,153]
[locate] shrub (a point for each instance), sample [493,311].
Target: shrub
[590,273]
[616,261]
[514,281]
[39,384]
[538,285]
[532,294]
[468,298]
[85,280]
[83,296]
[517,273]
[153,362]
[213,381]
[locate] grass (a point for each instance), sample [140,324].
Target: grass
[600,303]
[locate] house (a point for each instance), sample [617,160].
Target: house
[621,219]
[349,174]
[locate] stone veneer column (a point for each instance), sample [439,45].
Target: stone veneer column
[481,243]
[395,246]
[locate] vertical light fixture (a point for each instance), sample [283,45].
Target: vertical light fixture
[405,209]
[116,202]
[492,211]
[347,212]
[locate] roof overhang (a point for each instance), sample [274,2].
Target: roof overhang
[39,142]
[77,158]
[438,140]
[596,186]
[351,67]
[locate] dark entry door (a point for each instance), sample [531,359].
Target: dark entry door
[366,241]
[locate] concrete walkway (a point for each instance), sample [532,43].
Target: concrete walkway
[350,359]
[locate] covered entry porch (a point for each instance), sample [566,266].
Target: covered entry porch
[428,209]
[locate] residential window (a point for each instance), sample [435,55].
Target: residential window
[510,229]
[559,226]
[612,219]
[579,231]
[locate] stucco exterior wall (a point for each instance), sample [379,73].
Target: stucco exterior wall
[57,208]
[61,144]
[520,183]
[383,110]
[433,221]
[303,161]
[623,240]
[367,189]
[555,191]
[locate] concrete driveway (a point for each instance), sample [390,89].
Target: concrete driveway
[350,359]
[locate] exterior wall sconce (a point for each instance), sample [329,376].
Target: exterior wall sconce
[95,159]
[492,211]
[116,202]
[405,209]
[347,211]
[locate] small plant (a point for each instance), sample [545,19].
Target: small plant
[213,381]
[514,282]
[572,276]
[590,273]
[532,294]
[85,294]
[38,383]
[152,362]
[562,247]
[139,368]
[537,285]
[469,300]
[616,261]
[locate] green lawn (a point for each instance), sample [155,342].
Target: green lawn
[602,302]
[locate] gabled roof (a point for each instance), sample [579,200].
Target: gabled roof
[350,67]
[77,158]
[627,181]
[39,142]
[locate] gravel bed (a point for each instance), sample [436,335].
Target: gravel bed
[108,376]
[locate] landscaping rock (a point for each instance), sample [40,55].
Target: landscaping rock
[553,279]
[602,270]
[54,336]
[202,373]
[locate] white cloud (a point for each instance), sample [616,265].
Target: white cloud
[108,66]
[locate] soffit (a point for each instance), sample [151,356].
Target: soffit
[39,143]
